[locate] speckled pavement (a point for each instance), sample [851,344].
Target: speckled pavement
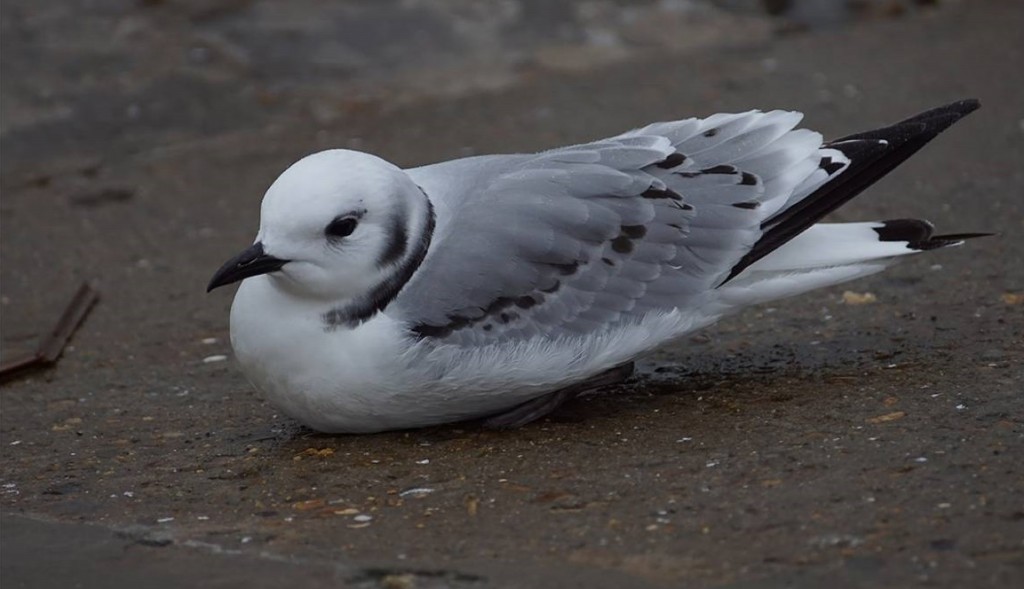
[836,438]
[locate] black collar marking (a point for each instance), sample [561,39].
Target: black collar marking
[398,240]
[381,296]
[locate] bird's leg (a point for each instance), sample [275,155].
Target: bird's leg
[534,409]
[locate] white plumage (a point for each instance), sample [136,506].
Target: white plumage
[378,298]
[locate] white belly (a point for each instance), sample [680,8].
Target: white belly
[373,377]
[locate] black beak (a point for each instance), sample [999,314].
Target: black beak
[251,262]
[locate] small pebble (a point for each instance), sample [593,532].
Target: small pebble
[214,358]
[857,298]
[416,492]
[362,518]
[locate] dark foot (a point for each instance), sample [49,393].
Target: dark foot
[534,409]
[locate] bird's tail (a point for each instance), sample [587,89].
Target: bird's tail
[796,253]
[872,155]
[831,253]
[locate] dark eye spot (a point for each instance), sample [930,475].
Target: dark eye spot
[341,227]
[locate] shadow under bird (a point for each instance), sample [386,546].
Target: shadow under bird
[500,286]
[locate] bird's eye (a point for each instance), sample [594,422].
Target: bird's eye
[341,227]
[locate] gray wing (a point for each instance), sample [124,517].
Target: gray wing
[576,239]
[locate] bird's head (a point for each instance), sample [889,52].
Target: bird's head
[332,226]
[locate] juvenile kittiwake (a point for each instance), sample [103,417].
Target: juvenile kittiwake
[499,286]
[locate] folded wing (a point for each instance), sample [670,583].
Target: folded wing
[578,239]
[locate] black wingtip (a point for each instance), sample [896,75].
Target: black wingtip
[928,123]
[912,230]
[967,105]
[918,234]
[962,108]
[939,119]
[872,154]
[938,241]
[963,236]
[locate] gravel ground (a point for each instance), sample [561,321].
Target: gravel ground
[815,441]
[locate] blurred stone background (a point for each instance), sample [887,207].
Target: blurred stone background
[125,73]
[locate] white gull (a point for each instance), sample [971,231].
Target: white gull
[498,287]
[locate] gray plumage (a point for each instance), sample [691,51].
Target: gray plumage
[580,238]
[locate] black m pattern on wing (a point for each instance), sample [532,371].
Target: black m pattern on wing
[584,237]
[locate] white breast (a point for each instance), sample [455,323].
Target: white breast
[332,380]
[374,377]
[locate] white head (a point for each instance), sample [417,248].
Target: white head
[335,226]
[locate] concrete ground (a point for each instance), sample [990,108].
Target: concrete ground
[814,441]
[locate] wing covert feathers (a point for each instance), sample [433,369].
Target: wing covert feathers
[577,239]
